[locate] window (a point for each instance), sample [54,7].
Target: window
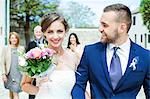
[135,38]
[148,38]
[134,20]
[141,38]
[145,40]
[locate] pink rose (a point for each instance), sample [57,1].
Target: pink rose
[34,53]
[48,52]
[29,55]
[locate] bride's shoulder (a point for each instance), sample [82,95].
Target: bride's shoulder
[70,55]
[70,59]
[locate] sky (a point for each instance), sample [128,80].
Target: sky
[98,5]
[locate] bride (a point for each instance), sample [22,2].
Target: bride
[59,83]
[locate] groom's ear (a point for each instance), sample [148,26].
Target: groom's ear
[122,28]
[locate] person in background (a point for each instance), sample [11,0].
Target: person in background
[75,46]
[10,74]
[62,79]
[38,39]
[116,67]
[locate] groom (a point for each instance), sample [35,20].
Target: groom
[116,67]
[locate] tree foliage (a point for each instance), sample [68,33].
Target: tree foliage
[77,15]
[145,10]
[25,14]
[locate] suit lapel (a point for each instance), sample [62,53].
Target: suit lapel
[104,64]
[128,69]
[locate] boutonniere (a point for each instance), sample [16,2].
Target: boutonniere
[134,62]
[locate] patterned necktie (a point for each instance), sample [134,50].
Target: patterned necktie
[115,72]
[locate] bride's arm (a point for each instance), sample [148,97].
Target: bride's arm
[27,86]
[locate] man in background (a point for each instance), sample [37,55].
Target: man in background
[38,39]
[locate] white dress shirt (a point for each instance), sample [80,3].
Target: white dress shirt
[123,54]
[39,41]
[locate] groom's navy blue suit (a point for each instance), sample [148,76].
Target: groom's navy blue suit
[93,67]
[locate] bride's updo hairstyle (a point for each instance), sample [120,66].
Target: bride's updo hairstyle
[49,18]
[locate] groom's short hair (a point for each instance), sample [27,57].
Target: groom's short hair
[122,11]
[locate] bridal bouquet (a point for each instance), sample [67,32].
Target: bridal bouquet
[36,62]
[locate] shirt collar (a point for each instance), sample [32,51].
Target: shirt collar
[124,47]
[39,41]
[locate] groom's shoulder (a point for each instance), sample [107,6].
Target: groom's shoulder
[139,48]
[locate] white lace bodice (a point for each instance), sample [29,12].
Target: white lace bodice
[61,80]
[59,86]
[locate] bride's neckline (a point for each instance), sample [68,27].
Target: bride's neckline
[59,59]
[58,51]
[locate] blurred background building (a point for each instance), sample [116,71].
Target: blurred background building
[138,32]
[4,20]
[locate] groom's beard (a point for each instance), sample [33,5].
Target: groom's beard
[109,39]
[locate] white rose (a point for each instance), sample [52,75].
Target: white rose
[41,46]
[22,61]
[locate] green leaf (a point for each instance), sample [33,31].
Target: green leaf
[145,11]
[33,69]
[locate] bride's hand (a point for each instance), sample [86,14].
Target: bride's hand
[43,86]
[42,80]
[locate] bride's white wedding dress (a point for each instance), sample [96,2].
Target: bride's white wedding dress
[59,85]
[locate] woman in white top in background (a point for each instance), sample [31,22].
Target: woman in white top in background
[75,46]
